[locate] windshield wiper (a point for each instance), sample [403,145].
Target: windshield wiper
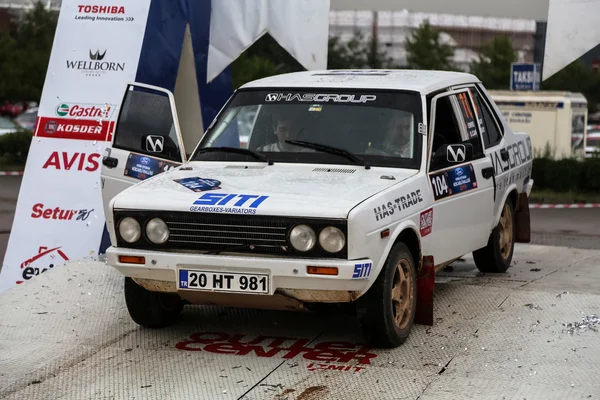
[332,150]
[235,150]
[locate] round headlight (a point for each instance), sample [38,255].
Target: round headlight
[332,239]
[157,231]
[303,237]
[130,230]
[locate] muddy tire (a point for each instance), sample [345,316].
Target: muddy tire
[388,309]
[151,309]
[497,255]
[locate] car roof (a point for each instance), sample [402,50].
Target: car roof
[423,81]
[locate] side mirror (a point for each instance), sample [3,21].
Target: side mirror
[449,154]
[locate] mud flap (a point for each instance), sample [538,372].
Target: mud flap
[425,286]
[522,220]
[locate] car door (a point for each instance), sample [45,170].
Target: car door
[146,141]
[460,177]
[495,146]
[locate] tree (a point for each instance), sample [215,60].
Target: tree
[425,50]
[266,57]
[9,71]
[35,37]
[578,78]
[24,56]
[357,53]
[494,63]
[247,68]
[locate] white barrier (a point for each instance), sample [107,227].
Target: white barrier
[98,48]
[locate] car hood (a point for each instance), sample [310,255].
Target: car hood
[303,190]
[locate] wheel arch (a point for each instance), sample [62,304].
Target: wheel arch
[511,193]
[408,234]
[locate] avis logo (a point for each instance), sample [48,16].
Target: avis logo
[80,161]
[362,270]
[30,271]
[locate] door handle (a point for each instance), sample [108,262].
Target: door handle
[487,172]
[504,154]
[110,162]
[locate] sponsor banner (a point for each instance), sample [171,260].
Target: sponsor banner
[59,214]
[69,128]
[96,51]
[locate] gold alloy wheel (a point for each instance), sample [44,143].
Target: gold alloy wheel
[402,294]
[506,231]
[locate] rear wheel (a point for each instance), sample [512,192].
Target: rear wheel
[388,309]
[151,309]
[497,255]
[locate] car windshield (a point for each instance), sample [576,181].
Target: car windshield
[379,127]
[7,124]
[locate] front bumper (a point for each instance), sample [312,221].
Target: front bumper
[287,276]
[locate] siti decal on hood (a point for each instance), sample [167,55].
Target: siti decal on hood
[320,97]
[228,203]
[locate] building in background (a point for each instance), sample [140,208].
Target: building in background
[467,34]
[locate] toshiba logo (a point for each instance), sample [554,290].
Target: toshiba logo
[63,160]
[87,9]
[91,13]
[40,211]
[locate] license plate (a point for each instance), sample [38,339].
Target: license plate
[231,282]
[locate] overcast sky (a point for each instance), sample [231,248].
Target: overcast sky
[529,9]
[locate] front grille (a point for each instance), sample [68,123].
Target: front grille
[202,232]
[206,233]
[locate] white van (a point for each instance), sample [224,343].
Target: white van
[592,141]
[554,120]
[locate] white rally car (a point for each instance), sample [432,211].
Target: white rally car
[349,187]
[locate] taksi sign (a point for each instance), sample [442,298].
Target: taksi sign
[525,76]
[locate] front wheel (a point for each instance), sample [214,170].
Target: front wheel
[151,309]
[497,255]
[388,309]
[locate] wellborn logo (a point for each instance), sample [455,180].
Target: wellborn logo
[96,65]
[97,56]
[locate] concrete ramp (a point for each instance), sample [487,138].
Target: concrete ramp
[67,335]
